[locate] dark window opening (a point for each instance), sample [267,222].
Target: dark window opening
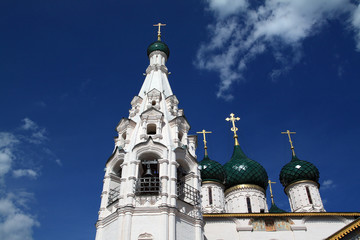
[118,172]
[248,205]
[151,129]
[210,196]
[309,195]
[262,210]
[153,103]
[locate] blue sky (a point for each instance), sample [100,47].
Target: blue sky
[69,69]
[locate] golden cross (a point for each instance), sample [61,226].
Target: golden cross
[234,128]
[291,144]
[271,193]
[159,32]
[204,132]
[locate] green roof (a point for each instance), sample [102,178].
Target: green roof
[211,170]
[275,209]
[158,46]
[298,170]
[242,170]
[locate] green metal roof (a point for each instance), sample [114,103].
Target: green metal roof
[297,170]
[242,170]
[158,46]
[275,209]
[211,170]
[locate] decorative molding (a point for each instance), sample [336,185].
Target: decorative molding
[244,186]
[161,161]
[345,230]
[302,181]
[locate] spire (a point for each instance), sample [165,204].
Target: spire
[204,135]
[157,73]
[234,128]
[159,32]
[291,144]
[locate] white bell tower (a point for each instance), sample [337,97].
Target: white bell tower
[152,182]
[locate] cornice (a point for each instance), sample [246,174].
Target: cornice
[302,181]
[345,230]
[213,182]
[244,186]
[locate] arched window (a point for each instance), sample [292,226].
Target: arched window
[248,202]
[148,182]
[309,195]
[210,196]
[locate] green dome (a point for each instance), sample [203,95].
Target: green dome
[297,170]
[211,170]
[158,46]
[275,209]
[242,170]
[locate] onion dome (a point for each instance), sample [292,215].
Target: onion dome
[242,170]
[158,46]
[298,170]
[275,209]
[211,170]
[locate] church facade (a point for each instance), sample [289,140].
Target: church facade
[154,187]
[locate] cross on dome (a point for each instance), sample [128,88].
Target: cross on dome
[234,128]
[291,143]
[204,135]
[159,25]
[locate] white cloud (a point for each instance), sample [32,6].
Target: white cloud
[14,223]
[225,8]
[7,139]
[25,173]
[328,184]
[244,31]
[59,162]
[28,124]
[356,25]
[7,142]
[38,135]
[6,159]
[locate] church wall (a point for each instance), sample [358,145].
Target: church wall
[217,198]
[236,201]
[220,229]
[109,231]
[299,199]
[184,229]
[143,223]
[284,228]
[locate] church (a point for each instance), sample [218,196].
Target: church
[155,188]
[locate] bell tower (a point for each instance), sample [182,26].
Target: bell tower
[151,187]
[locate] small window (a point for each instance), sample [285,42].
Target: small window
[309,195]
[180,136]
[151,129]
[210,196]
[153,103]
[248,205]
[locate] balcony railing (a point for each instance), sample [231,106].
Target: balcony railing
[113,195]
[148,186]
[188,193]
